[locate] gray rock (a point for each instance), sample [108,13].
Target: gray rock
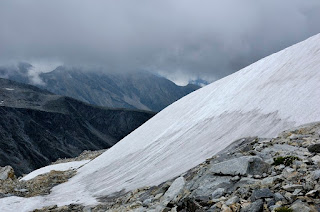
[299,207]
[243,191]
[241,166]
[314,148]
[257,206]
[316,174]
[147,202]
[296,192]
[208,183]
[288,196]
[243,182]
[278,197]
[267,181]
[279,148]
[312,193]
[270,201]
[295,137]
[273,207]
[202,198]
[232,200]
[218,193]
[214,208]
[87,209]
[6,173]
[316,159]
[174,190]
[292,187]
[261,193]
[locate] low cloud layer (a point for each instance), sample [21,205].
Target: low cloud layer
[181,39]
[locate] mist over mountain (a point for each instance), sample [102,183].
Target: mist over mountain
[138,90]
[38,127]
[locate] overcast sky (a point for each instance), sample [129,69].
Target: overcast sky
[181,39]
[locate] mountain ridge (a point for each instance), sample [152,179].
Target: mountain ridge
[38,127]
[132,90]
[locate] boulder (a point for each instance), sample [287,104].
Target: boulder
[278,197]
[6,172]
[261,193]
[292,187]
[312,193]
[256,206]
[208,183]
[316,159]
[245,165]
[316,174]
[174,190]
[314,148]
[268,181]
[232,200]
[299,207]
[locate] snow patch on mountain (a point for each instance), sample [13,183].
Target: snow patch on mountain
[55,167]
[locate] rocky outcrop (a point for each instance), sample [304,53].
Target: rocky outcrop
[241,166]
[314,148]
[6,172]
[258,175]
[41,184]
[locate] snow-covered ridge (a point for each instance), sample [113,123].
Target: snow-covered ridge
[276,93]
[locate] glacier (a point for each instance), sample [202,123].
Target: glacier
[278,92]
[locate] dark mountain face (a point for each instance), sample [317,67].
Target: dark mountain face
[139,90]
[38,127]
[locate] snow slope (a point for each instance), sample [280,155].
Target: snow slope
[56,167]
[278,92]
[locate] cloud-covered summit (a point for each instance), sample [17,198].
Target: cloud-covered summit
[206,39]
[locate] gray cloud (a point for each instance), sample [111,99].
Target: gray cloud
[179,38]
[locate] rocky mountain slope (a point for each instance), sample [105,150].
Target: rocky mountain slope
[274,94]
[38,127]
[251,175]
[138,90]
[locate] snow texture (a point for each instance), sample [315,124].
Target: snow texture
[56,167]
[276,93]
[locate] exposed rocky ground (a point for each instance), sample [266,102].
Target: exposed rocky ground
[42,184]
[253,174]
[85,155]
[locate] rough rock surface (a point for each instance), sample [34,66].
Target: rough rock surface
[290,181]
[6,172]
[42,184]
[241,166]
